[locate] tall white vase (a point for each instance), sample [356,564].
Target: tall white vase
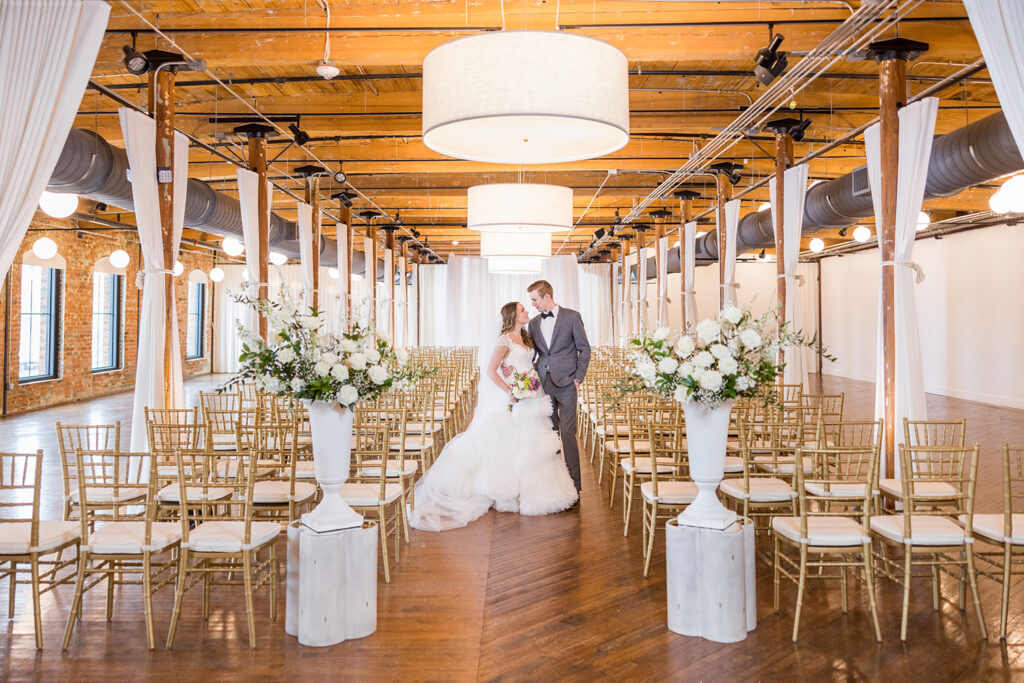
[331,425]
[707,432]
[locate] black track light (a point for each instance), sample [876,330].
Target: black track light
[301,137]
[798,132]
[340,176]
[135,61]
[842,232]
[344,197]
[769,63]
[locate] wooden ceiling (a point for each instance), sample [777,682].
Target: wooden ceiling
[691,73]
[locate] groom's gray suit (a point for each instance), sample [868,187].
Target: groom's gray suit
[560,365]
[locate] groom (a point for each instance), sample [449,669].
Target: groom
[563,355]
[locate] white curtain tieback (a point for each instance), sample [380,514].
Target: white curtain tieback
[140,276]
[799,278]
[916,267]
[734,285]
[689,291]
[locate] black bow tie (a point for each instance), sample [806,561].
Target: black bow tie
[547,315]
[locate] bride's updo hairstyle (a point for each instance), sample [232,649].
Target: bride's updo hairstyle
[509,313]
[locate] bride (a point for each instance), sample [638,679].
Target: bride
[510,461]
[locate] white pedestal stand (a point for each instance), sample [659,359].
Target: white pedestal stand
[332,584]
[710,575]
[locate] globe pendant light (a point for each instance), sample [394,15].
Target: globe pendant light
[525,97]
[58,204]
[522,207]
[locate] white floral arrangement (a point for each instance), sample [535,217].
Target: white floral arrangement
[302,360]
[720,360]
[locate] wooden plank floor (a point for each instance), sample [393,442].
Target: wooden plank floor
[519,598]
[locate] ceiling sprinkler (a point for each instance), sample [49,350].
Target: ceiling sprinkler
[326,70]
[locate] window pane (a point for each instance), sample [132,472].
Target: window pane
[38,317]
[194,324]
[106,290]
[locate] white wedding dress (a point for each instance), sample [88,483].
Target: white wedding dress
[510,461]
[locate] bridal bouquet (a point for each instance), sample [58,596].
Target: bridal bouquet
[302,360]
[721,359]
[524,385]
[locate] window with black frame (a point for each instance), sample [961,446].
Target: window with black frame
[196,314]
[106,321]
[40,320]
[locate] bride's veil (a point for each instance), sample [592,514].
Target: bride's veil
[490,397]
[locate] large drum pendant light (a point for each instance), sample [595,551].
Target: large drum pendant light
[519,207]
[515,252]
[525,97]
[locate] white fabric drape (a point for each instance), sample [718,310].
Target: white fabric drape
[370,271]
[47,50]
[641,289]
[139,133]
[628,299]
[228,313]
[248,202]
[662,281]
[594,304]
[344,277]
[998,26]
[732,221]
[917,128]
[689,261]
[306,250]
[413,299]
[795,191]
[387,293]
[402,305]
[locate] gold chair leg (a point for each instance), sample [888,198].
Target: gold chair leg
[179,593]
[935,583]
[1007,558]
[247,568]
[907,568]
[972,575]
[36,611]
[775,574]
[650,537]
[12,589]
[273,582]
[206,589]
[147,599]
[384,546]
[870,578]
[110,590]
[76,603]
[800,590]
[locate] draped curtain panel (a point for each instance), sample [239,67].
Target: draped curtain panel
[344,277]
[387,294]
[139,133]
[917,128]
[228,313]
[795,190]
[368,309]
[248,200]
[998,26]
[732,221]
[641,289]
[594,302]
[628,298]
[47,50]
[689,261]
[306,250]
[401,305]
[662,282]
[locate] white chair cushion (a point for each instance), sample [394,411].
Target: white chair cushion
[643,465]
[623,446]
[229,468]
[733,464]
[412,443]
[826,531]
[371,468]
[226,537]
[922,489]
[925,529]
[423,428]
[366,494]
[836,489]
[172,493]
[991,527]
[106,495]
[167,470]
[305,469]
[128,538]
[15,536]
[764,463]
[762,490]
[612,429]
[271,492]
[670,492]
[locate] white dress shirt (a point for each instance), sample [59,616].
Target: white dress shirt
[547,326]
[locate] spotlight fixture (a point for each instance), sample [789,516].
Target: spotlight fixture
[795,128]
[728,169]
[769,63]
[398,218]
[763,256]
[308,171]
[340,176]
[135,61]
[139,63]
[842,232]
[301,137]
[344,197]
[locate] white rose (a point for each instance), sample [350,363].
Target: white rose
[339,372]
[728,366]
[730,314]
[711,380]
[661,334]
[322,368]
[708,330]
[347,395]
[646,370]
[286,355]
[297,384]
[680,393]
[743,383]
[310,322]
[685,370]
[720,351]
[750,338]
[697,374]
[357,361]
[329,358]
[684,347]
[402,355]
[372,355]
[703,359]
[348,346]
[668,365]
[377,374]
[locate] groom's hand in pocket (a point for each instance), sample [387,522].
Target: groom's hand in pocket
[577,384]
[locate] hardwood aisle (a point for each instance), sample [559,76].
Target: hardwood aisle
[519,598]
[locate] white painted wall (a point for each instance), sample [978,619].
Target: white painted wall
[968,308]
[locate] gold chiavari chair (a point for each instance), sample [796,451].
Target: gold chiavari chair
[399,467]
[27,540]
[279,494]
[929,530]
[638,467]
[170,430]
[850,433]
[921,434]
[667,493]
[613,435]
[71,438]
[422,429]
[1004,530]
[789,395]
[760,492]
[831,405]
[817,538]
[139,545]
[221,412]
[223,540]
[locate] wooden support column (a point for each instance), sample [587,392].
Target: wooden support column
[783,160]
[162,92]
[258,164]
[625,323]
[611,290]
[640,317]
[313,199]
[685,198]
[723,189]
[389,278]
[403,252]
[660,216]
[371,276]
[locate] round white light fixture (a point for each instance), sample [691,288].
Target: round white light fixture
[232,247]
[1010,197]
[333,273]
[44,248]
[1000,202]
[519,207]
[245,275]
[455,243]
[923,220]
[216,274]
[277,258]
[525,97]
[764,206]
[862,233]
[58,204]
[817,245]
[119,258]
[179,268]
[518,244]
[514,265]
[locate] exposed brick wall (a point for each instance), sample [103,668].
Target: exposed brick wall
[76,380]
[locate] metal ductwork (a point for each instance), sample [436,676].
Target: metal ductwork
[91,167]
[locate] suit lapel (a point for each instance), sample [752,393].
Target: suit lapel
[559,319]
[538,338]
